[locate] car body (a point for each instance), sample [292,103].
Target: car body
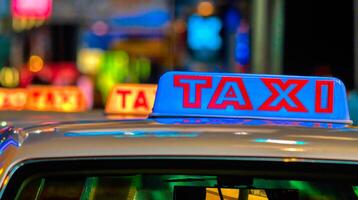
[225,147]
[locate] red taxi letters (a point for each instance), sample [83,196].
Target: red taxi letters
[231,91]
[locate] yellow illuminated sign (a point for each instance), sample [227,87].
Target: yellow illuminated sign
[43,98]
[136,99]
[55,98]
[12,99]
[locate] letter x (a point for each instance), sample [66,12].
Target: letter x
[284,94]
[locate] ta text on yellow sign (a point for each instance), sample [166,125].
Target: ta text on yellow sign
[134,99]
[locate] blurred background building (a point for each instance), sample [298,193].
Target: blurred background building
[96,44]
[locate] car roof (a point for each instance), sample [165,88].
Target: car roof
[149,137]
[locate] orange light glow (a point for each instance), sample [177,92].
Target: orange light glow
[205,8]
[35,63]
[55,98]
[6,180]
[293,149]
[290,160]
[137,99]
[12,99]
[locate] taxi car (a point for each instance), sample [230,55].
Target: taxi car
[209,136]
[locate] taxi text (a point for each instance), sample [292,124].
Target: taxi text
[231,91]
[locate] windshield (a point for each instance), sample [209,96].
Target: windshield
[177,187]
[181,179]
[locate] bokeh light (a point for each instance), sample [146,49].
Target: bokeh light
[100,28]
[205,8]
[89,60]
[3,123]
[35,9]
[9,77]
[36,63]
[204,33]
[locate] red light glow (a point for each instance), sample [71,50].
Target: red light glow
[36,9]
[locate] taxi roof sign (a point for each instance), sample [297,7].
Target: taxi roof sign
[299,98]
[43,98]
[134,99]
[56,99]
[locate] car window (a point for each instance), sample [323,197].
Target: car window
[146,186]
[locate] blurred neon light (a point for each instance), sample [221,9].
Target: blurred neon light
[135,99]
[56,98]
[119,67]
[242,48]
[60,73]
[204,33]
[114,69]
[154,18]
[4,145]
[232,19]
[89,60]
[35,9]
[13,99]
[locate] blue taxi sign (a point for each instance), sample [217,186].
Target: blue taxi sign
[299,98]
